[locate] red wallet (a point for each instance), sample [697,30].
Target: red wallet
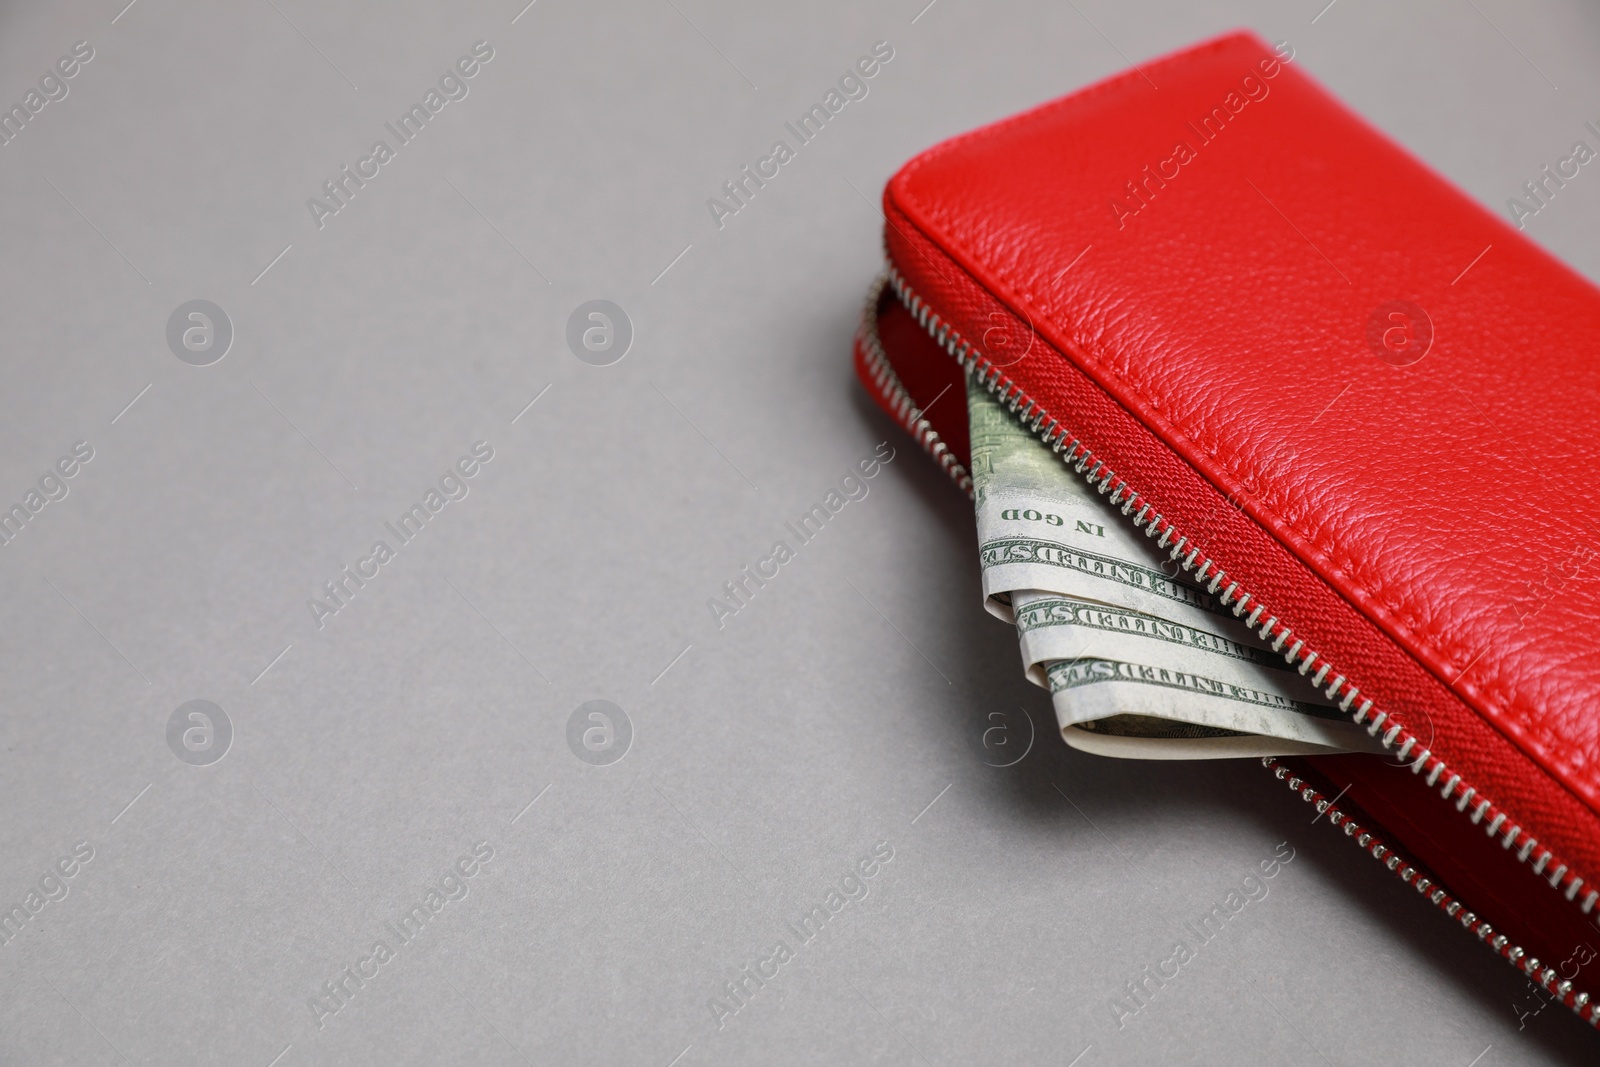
[1353,404]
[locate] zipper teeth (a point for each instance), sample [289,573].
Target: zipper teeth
[903,407]
[1396,738]
[1548,977]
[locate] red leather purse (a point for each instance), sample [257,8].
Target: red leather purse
[1358,408]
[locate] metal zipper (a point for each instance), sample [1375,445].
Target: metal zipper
[1548,978]
[902,407]
[1078,457]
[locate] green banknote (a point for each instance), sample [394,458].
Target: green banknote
[1139,662]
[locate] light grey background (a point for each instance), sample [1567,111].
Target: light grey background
[427,714]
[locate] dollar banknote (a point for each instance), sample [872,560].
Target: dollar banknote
[1139,661]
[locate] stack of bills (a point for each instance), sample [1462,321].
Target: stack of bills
[1140,662]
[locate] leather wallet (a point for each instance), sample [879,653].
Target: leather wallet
[1354,405]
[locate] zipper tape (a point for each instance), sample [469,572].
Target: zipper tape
[902,408]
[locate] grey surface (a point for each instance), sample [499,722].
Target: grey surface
[427,714]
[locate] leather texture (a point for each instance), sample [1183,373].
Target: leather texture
[1247,273]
